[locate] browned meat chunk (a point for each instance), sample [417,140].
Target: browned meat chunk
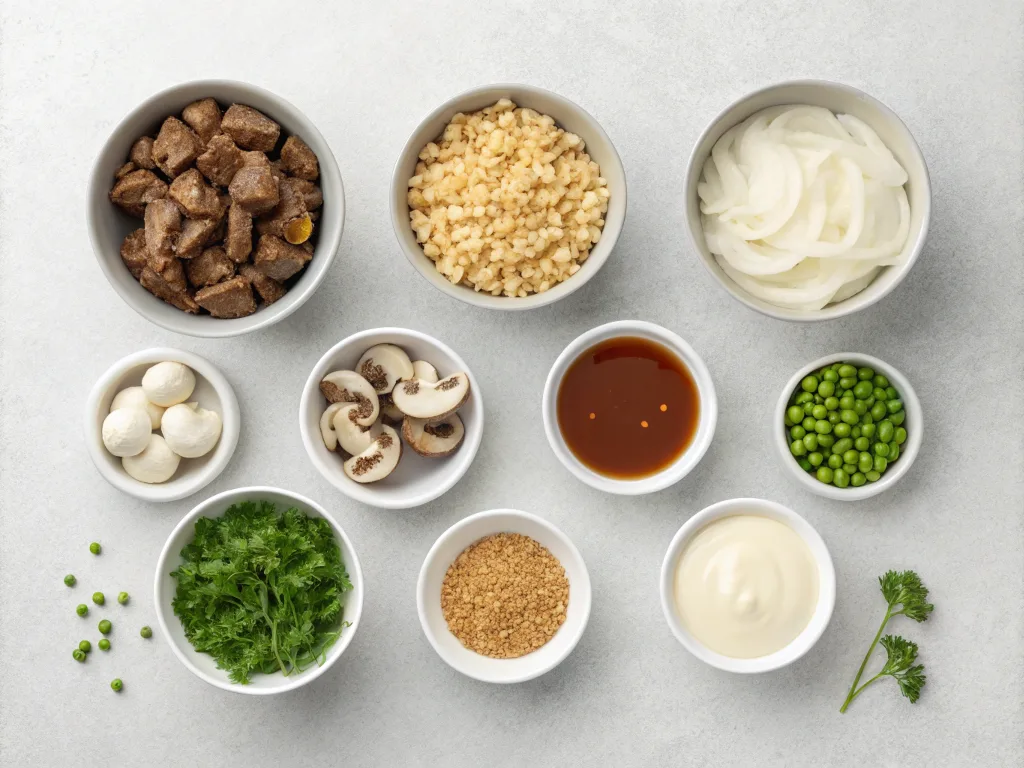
[136,190]
[298,160]
[124,170]
[310,193]
[142,153]
[160,288]
[195,234]
[277,259]
[231,298]
[209,267]
[203,117]
[250,129]
[163,227]
[221,160]
[267,287]
[134,253]
[176,147]
[255,189]
[258,159]
[239,237]
[291,205]
[197,199]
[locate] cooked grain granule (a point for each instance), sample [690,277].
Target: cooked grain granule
[505,596]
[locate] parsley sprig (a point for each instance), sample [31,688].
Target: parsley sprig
[906,596]
[261,591]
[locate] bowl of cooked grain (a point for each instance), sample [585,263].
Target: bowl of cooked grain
[508,197]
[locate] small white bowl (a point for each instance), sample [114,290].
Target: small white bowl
[108,224]
[908,451]
[690,457]
[840,99]
[450,545]
[212,392]
[202,665]
[826,585]
[568,116]
[417,479]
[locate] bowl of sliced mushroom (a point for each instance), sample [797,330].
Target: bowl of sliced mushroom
[391,417]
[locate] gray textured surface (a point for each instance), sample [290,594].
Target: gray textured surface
[629,695]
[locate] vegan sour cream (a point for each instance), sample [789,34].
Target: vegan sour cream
[746,586]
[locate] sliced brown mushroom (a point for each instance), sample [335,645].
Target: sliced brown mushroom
[350,387]
[353,437]
[384,365]
[433,440]
[432,401]
[327,425]
[378,461]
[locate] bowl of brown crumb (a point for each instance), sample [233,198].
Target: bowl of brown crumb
[503,596]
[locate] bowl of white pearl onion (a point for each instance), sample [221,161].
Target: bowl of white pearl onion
[807,200]
[161,424]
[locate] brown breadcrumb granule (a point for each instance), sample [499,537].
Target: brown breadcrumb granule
[412,386]
[374,374]
[447,384]
[505,596]
[365,463]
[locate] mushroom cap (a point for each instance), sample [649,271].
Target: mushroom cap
[436,439]
[168,383]
[352,436]
[156,464]
[433,401]
[135,397]
[190,431]
[327,425]
[126,431]
[378,461]
[424,371]
[384,365]
[350,387]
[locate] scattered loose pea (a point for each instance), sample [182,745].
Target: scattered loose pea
[105,627]
[78,654]
[146,632]
[95,548]
[104,644]
[85,646]
[98,598]
[70,580]
[116,685]
[122,598]
[82,609]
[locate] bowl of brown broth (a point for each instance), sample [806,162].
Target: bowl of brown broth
[629,408]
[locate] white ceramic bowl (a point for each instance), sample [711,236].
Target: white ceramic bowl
[202,665]
[567,115]
[840,99]
[108,224]
[690,457]
[908,451]
[417,479]
[212,392]
[450,545]
[826,585]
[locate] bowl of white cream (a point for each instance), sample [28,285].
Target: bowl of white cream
[747,585]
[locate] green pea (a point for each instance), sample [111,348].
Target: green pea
[826,388]
[849,468]
[865,374]
[848,384]
[805,465]
[802,398]
[842,429]
[808,423]
[795,414]
[818,400]
[122,598]
[855,432]
[865,462]
[847,371]
[846,403]
[845,393]
[98,598]
[78,654]
[842,446]
[840,478]
[85,646]
[898,418]
[809,384]
[860,408]
[880,464]
[831,403]
[868,430]
[95,548]
[146,632]
[811,442]
[797,432]
[894,452]
[881,449]
[872,476]
[861,443]
[891,393]
[82,609]
[880,381]
[797,448]
[858,479]
[894,405]
[850,417]
[824,475]
[899,435]
[863,390]
[851,456]
[866,419]
[833,418]
[104,627]
[835,462]
[116,685]
[70,580]
[869,402]
[878,411]
[830,376]
[825,441]
[878,393]
[819,412]
[815,459]
[104,644]
[808,407]
[822,427]
[885,431]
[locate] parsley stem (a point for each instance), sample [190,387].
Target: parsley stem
[863,665]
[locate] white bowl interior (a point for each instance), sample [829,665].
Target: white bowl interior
[690,457]
[568,116]
[840,99]
[212,392]
[109,224]
[908,451]
[203,665]
[450,545]
[417,479]
[826,585]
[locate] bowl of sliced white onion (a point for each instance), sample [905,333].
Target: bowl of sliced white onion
[807,200]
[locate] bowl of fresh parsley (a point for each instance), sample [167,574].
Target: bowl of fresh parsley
[259,590]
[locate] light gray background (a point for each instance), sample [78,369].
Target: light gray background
[630,695]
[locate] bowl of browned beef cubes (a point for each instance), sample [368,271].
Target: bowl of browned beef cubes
[216,208]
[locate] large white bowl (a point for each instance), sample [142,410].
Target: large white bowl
[212,392]
[568,116]
[826,585]
[914,425]
[450,545]
[841,99]
[202,665]
[108,224]
[417,479]
[690,457]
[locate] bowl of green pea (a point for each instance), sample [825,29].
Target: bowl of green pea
[848,426]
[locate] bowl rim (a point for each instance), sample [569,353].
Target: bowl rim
[691,455]
[842,308]
[911,404]
[464,456]
[820,619]
[422,265]
[217,328]
[222,452]
[353,612]
[432,556]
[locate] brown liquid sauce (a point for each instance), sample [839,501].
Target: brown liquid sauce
[628,407]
